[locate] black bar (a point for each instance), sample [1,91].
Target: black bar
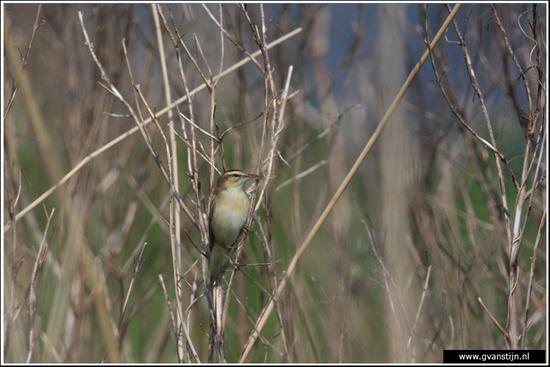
[494,356]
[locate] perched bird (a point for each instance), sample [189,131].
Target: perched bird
[228,214]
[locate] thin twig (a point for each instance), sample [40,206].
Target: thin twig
[31,291]
[506,335]
[170,309]
[231,38]
[25,59]
[302,175]
[137,266]
[415,322]
[531,277]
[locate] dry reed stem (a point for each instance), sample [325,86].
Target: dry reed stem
[135,129]
[25,59]
[10,306]
[218,325]
[276,123]
[515,234]
[174,211]
[191,150]
[137,266]
[31,289]
[531,277]
[177,329]
[389,282]
[231,38]
[456,217]
[269,307]
[498,22]
[74,234]
[167,175]
[415,322]
[502,330]
[478,160]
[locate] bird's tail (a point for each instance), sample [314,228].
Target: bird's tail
[217,259]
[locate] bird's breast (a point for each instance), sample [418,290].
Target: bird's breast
[229,216]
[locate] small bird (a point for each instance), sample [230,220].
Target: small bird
[228,214]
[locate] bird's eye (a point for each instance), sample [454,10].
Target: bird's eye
[236,175]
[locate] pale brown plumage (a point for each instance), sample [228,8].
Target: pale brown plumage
[228,214]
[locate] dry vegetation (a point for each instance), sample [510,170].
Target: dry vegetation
[118,119]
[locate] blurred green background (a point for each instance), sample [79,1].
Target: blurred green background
[428,193]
